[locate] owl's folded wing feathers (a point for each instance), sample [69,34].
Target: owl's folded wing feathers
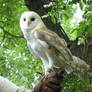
[55,41]
[49,36]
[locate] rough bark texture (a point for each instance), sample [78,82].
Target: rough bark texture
[82,51]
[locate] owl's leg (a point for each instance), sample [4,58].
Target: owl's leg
[46,65]
[47,69]
[50,63]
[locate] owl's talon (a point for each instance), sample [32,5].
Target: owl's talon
[46,76]
[49,70]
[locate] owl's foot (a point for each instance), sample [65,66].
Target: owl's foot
[43,75]
[48,71]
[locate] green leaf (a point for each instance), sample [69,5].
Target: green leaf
[56,15]
[81,5]
[84,1]
[53,19]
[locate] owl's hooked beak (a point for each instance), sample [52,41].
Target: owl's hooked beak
[28,24]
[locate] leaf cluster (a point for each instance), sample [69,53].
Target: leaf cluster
[64,12]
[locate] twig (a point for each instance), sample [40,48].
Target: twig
[42,74]
[6,32]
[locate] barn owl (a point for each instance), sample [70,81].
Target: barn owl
[48,46]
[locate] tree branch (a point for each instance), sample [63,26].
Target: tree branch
[6,32]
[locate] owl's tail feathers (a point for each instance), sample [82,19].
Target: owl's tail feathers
[68,69]
[77,65]
[80,64]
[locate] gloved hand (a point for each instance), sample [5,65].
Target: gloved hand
[50,83]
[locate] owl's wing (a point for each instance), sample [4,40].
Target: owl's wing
[53,40]
[50,36]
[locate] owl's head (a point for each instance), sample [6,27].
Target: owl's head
[30,20]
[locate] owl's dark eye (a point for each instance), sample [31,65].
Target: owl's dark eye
[32,19]
[24,19]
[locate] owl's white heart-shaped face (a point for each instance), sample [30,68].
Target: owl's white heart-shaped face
[29,20]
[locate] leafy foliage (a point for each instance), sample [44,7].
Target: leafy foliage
[78,84]
[75,16]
